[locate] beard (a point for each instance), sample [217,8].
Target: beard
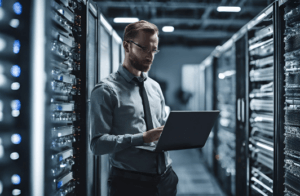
[141,65]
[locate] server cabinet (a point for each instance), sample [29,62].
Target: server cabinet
[267,157]
[105,39]
[92,54]
[260,102]
[66,137]
[104,69]
[207,150]
[16,105]
[226,102]
[241,131]
[288,153]
[116,51]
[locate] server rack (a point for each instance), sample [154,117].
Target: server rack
[92,54]
[288,60]
[241,124]
[116,51]
[207,150]
[266,54]
[225,141]
[104,69]
[260,102]
[16,106]
[66,133]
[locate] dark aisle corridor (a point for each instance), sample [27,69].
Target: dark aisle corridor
[194,178]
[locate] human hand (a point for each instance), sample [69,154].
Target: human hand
[152,135]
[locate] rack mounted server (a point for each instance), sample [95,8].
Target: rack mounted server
[267,120]
[66,95]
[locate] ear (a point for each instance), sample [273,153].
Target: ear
[126,46]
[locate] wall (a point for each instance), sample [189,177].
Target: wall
[166,69]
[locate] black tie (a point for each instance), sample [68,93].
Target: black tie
[161,166]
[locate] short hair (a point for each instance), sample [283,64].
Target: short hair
[132,30]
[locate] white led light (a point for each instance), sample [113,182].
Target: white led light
[15,113]
[221,76]
[15,86]
[125,20]
[16,138]
[15,179]
[168,29]
[228,9]
[2,44]
[14,155]
[14,23]
[16,192]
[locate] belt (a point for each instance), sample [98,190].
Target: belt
[138,175]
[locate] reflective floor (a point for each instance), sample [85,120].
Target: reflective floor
[194,178]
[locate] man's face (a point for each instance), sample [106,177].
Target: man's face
[142,59]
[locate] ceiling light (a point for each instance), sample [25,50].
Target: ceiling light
[168,29]
[228,9]
[125,20]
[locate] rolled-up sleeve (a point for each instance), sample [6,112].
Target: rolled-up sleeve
[103,101]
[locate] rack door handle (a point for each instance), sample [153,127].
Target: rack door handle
[243,110]
[239,109]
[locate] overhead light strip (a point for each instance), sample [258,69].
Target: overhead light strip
[228,9]
[168,29]
[125,20]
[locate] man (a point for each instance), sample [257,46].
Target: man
[127,110]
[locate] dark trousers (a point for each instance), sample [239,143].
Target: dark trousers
[123,183]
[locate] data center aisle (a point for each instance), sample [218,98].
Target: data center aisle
[194,178]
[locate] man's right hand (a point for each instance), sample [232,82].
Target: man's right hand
[152,135]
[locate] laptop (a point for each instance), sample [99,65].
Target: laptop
[184,130]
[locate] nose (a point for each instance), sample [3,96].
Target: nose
[150,55]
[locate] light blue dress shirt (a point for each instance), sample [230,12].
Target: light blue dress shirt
[117,120]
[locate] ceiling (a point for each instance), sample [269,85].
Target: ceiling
[196,22]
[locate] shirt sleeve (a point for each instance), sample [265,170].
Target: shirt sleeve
[164,115]
[102,141]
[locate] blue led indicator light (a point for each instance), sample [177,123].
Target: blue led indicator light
[59,184]
[0,3]
[15,71]
[59,107]
[16,179]
[17,46]
[17,8]
[61,78]
[16,104]
[16,138]
[60,158]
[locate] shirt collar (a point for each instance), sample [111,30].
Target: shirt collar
[129,76]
